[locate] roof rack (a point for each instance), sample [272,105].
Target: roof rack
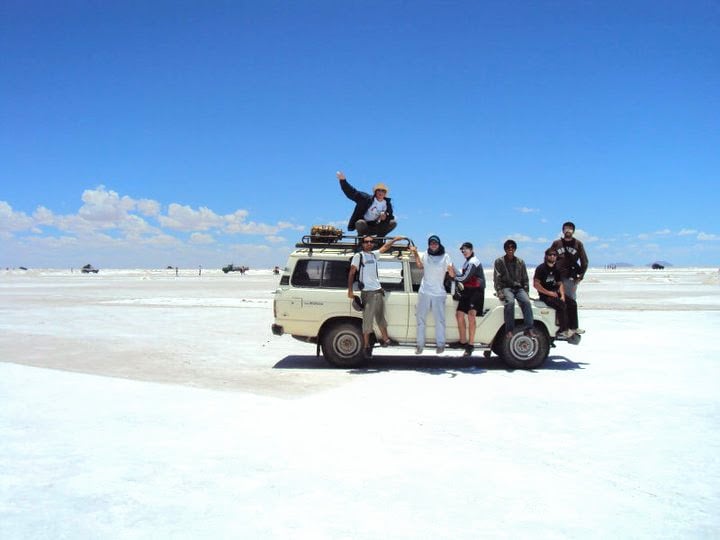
[348,242]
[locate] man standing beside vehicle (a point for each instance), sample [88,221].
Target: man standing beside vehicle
[372,295]
[572,262]
[373,214]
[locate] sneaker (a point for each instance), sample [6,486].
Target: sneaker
[457,345]
[418,350]
[440,349]
[468,350]
[579,331]
[565,334]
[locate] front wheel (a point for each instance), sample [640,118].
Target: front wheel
[525,352]
[342,345]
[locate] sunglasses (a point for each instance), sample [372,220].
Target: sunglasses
[368,241]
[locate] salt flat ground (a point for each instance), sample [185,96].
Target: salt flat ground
[138,404]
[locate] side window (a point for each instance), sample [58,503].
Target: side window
[317,273]
[307,273]
[335,275]
[391,275]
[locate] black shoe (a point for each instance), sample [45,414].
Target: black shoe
[368,352]
[457,345]
[390,342]
[468,350]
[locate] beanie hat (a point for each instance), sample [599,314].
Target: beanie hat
[466,245]
[380,185]
[434,238]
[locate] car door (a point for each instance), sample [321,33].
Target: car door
[397,298]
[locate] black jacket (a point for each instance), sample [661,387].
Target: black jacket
[362,203]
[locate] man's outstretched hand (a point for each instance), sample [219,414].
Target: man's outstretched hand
[340,176]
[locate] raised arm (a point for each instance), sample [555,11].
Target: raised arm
[387,245]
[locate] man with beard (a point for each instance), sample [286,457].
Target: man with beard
[572,262]
[548,283]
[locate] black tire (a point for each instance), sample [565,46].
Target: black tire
[525,352]
[342,345]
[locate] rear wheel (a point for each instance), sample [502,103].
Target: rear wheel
[342,345]
[525,352]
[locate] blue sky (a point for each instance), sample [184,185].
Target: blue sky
[147,134]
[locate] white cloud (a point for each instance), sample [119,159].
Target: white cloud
[518,237]
[104,207]
[148,207]
[526,210]
[184,218]
[707,236]
[275,239]
[687,232]
[663,232]
[13,221]
[585,236]
[201,238]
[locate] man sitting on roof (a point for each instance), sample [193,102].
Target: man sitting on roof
[373,214]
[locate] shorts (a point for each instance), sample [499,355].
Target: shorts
[472,298]
[374,309]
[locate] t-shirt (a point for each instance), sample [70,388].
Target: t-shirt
[548,276]
[373,213]
[434,268]
[368,271]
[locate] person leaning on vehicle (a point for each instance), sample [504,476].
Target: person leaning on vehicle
[511,282]
[371,292]
[373,214]
[549,285]
[572,262]
[434,263]
[472,297]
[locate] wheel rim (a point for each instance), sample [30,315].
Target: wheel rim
[523,347]
[346,345]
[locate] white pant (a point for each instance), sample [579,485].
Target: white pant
[425,303]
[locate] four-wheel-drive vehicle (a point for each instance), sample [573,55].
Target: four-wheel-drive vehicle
[311,304]
[89,269]
[234,268]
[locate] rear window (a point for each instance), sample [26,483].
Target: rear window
[323,274]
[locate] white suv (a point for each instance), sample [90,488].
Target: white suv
[311,304]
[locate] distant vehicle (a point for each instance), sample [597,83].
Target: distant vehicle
[89,269]
[311,304]
[23,268]
[658,266]
[232,268]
